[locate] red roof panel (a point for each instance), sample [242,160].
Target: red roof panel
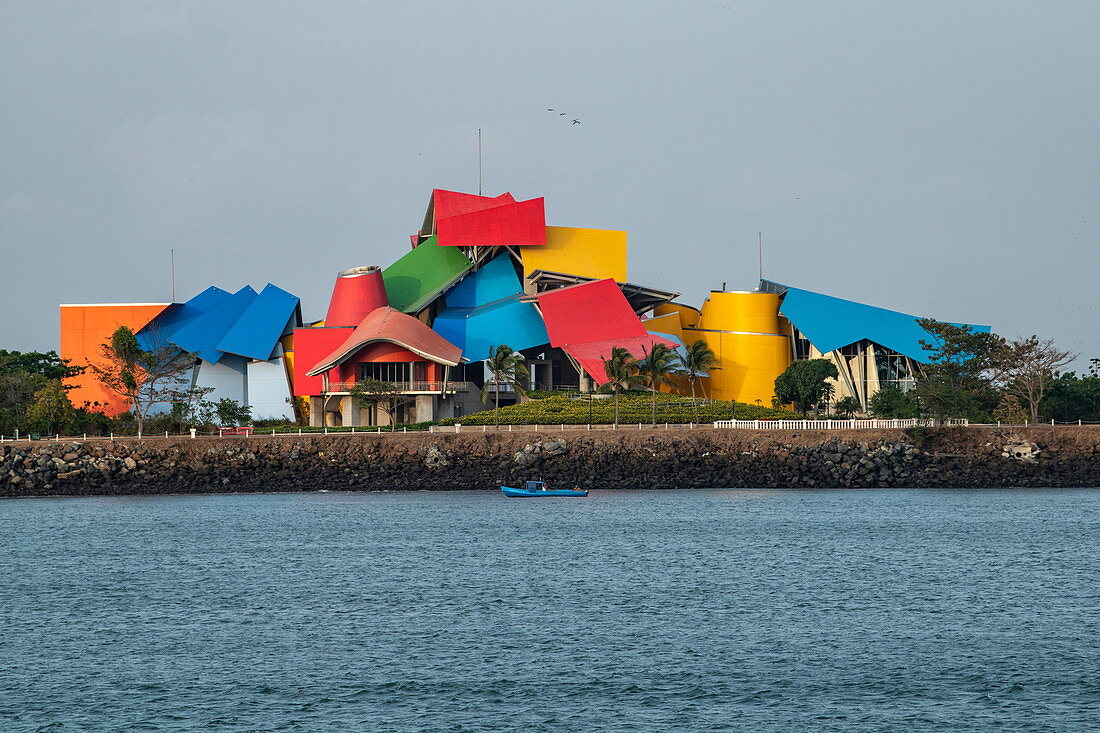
[590,319]
[521,223]
[592,311]
[453,203]
[591,355]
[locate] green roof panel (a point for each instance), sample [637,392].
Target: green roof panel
[423,273]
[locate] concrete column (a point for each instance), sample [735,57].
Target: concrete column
[316,412]
[425,408]
[349,412]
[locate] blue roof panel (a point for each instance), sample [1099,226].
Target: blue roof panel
[496,280]
[510,322]
[256,333]
[831,323]
[201,336]
[160,330]
[478,330]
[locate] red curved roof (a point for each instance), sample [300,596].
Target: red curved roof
[388,324]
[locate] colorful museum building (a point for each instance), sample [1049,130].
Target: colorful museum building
[484,271]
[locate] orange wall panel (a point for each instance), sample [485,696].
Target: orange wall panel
[84,329]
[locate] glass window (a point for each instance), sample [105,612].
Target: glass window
[393,372]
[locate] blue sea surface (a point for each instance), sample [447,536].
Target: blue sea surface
[627,611]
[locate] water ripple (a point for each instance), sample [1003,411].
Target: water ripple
[634,611]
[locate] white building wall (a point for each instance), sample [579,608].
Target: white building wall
[229,378]
[268,390]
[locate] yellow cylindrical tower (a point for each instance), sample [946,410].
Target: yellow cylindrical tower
[744,331]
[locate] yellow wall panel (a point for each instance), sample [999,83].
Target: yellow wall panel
[599,253]
[689,317]
[668,323]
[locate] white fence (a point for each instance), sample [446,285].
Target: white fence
[830,424]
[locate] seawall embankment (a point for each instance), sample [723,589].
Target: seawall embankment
[645,459]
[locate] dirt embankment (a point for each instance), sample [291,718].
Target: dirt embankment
[941,457]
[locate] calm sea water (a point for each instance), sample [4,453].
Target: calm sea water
[634,611]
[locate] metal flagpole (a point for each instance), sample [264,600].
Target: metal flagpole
[760,253]
[173,255]
[479,161]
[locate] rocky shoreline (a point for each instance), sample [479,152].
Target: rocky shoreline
[646,459]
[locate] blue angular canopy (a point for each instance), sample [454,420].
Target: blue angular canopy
[160,330]
[496,280]
[256,333]
[831,323]
[484,310]
[201,336]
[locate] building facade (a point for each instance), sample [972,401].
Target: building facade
[484,271]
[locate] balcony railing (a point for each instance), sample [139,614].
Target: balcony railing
[409,387]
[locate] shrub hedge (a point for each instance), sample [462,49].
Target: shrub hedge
[633,408]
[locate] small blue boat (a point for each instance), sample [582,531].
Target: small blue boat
[538,488]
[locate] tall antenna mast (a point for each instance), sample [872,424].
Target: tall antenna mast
[172,253]
[760,253]
[479,161]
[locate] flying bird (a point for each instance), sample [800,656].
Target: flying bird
[576,122]
[561,114]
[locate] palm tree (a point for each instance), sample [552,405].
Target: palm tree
[658,366]
[697,361]
[505,366]
[622,373]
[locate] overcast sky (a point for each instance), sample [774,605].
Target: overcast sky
[941,159]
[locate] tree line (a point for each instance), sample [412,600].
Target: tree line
[982,377]
[35,399]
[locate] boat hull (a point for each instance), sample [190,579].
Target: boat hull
[527,493]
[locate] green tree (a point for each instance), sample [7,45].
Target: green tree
[960,375]
[805,384]
[696,362]
[657,367]
[1029,367]
[1071,397]
[192,409]
[232,413]
[506,366]
[142,377]
[621,369]
[17,390]
[891,402]
[383,395]
[46,364]
[847,406]
[1009,411]
[51,410]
